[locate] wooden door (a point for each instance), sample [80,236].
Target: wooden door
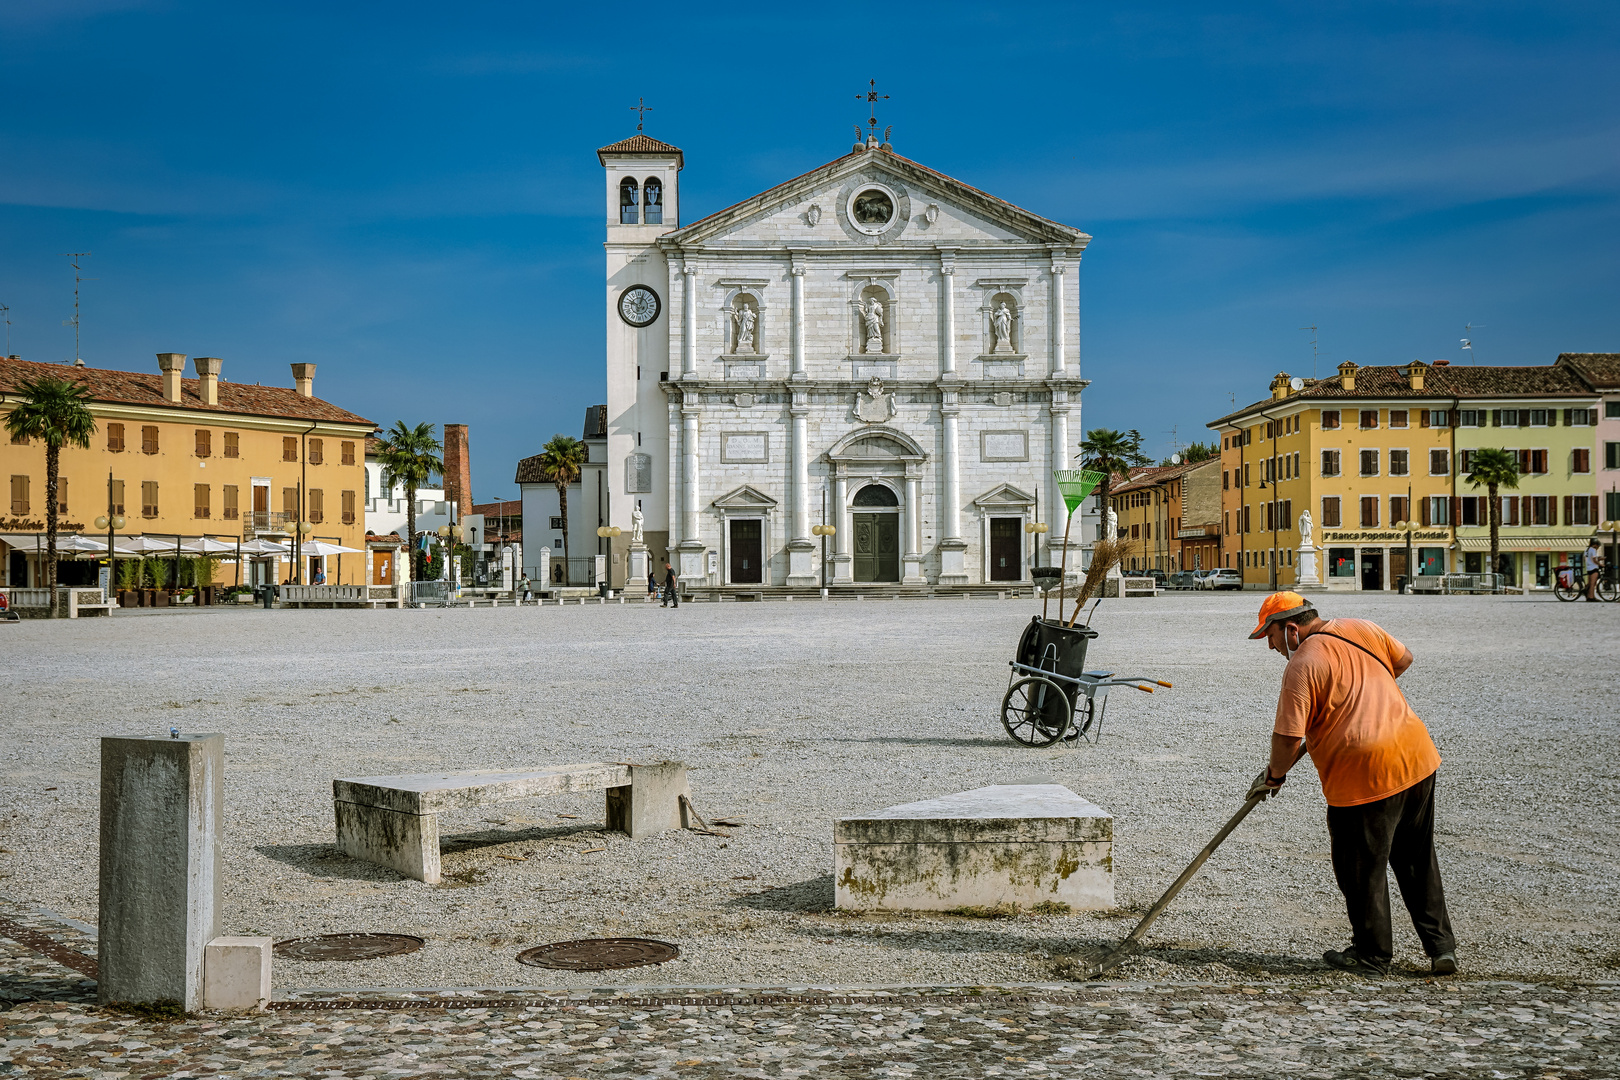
[1006,549]
[877,547]
[382,568]
[747,542]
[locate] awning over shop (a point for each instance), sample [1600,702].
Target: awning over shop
[1527,543]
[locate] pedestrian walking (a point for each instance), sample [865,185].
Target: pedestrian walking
[1377,764]
[524,588]
[672,594]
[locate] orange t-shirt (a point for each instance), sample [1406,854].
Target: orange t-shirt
[1365,740]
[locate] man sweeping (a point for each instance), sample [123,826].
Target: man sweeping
[1339,703]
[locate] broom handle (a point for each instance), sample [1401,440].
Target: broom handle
[1063,574]
[1124,949]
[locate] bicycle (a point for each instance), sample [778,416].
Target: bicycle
[1569,587]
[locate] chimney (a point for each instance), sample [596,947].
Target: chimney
[1442,363]
[207,379]
[1279,386]
[304,376]
[1414,375]
[457,468]
[1347,375]
[173,364]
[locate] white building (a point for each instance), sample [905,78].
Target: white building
[386,507]
[872,345]
[587,511]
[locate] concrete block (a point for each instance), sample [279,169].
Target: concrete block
[160,863]
[236,973]
[405,843]
[1019,844]
[651,802]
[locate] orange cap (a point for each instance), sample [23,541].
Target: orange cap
[1282,605]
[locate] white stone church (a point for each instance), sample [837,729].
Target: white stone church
[871,346]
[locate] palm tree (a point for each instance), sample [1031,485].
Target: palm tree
[409,456]
[1112,453]
[561,461]
[1494,469]
[57,413]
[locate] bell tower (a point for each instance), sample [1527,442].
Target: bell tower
[641,180]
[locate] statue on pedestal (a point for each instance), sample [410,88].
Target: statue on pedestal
[872,317]
[1001,323]
[1306,528]
[743,319]
[636,518]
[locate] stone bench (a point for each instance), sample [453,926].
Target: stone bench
[391,820]
[1017,844]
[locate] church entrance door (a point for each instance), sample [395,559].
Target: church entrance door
[1006,549]
[746,545]
[877,547]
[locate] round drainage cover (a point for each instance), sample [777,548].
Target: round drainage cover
[599,954]
[346,946]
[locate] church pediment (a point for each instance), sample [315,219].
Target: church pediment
[744,498]
[846,201]
[876,445]
[1004,497]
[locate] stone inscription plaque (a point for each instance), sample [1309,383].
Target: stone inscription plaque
[1004,446]
[743,447]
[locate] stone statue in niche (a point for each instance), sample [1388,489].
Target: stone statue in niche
[1001,321]
[743,318]
[1306,528]
[874,406]
[872,319]
[636,518]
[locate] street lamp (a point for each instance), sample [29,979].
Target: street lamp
[112,522]
[1407,527]
[823,531]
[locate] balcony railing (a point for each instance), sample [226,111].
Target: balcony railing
[268,523]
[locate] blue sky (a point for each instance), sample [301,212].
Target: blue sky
[407,194]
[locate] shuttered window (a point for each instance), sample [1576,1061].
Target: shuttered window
[205,444]
[1369,463]
[229,509]
[1397,418]
[1581,461]
[1369,418]
[1330,463]
[317,506]
[317,451]
[1369,511]
[1398,463]
[199,500]
[233,446]
[115,438]
[1330,512]
[1397,509]
[61,494]
[348,453]
[1439,463]
[1611,455]
[289,503]
[289,448]
[149,440]
[19,494]
[149,498]
[1330,419]
[118,497]
[348,508]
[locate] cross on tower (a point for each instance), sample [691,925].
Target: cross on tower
[873,97]
[641,109]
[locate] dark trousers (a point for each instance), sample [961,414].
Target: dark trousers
[1367,840]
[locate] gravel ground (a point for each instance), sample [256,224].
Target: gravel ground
[790,715]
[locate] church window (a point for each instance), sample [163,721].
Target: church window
[627,202]
[876,495]
[653,199]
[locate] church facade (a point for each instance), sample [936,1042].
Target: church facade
[872,346]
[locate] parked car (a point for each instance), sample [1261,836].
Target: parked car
[1224,579]
[1205,579]
[1157,576]
[1183,579]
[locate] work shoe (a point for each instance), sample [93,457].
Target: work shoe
[1444,964]
[1350,960]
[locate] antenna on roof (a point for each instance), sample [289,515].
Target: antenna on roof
[73,322]
[1312,329]
[6,311]
[1467,342]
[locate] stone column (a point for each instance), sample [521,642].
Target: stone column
[160,863]
[688,319]
[913,572]
[673,480]
[843,564]
[947,307]
[798,321]
[1059,360]
[952,548]
[691,568]
[801,550]
[1057,514]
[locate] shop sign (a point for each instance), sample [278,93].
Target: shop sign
[1386,536]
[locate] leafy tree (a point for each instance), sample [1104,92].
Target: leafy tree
[409,456]
[56,412]
[1494,469]
[1112,453]
[1199,452]
[562,461]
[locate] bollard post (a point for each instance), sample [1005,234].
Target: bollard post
[160,829]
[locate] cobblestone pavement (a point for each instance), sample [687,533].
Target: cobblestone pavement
[1283,1027]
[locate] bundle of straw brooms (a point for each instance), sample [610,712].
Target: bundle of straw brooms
[1106,554]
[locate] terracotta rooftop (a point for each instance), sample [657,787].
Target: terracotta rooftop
[146,390]
[1600,370]
[1448,381]
[1153,475]
[642,144]
[505,508]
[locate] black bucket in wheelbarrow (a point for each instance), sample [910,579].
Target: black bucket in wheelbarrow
[1052,646]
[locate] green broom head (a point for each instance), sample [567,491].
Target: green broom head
[1076,484]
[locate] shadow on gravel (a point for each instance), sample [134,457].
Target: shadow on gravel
[813,896]
[19,988]
[324,860]
[897,740]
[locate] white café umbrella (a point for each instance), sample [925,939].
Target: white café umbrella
[204,545]
[321,547]
[264,547]
[145,545]
[79,545]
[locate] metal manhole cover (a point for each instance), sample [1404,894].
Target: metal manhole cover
[599,954]
[346,946]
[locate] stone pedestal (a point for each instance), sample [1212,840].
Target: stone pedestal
[690,567]
[638,566]
[160,834]
[953,562]
[543,570]
[801,565]
[1307,578]
[1017,844]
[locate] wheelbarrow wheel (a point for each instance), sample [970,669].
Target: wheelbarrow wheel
[1085,714]
[1035,711]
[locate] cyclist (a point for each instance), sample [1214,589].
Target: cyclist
[1593,565]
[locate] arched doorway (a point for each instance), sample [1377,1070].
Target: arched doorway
[876,513]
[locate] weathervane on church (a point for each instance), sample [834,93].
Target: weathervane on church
[641,109]
[864,139]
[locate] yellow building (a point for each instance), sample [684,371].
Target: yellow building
[190,458]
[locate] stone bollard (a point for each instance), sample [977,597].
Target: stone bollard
[236,974]
[160,828]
